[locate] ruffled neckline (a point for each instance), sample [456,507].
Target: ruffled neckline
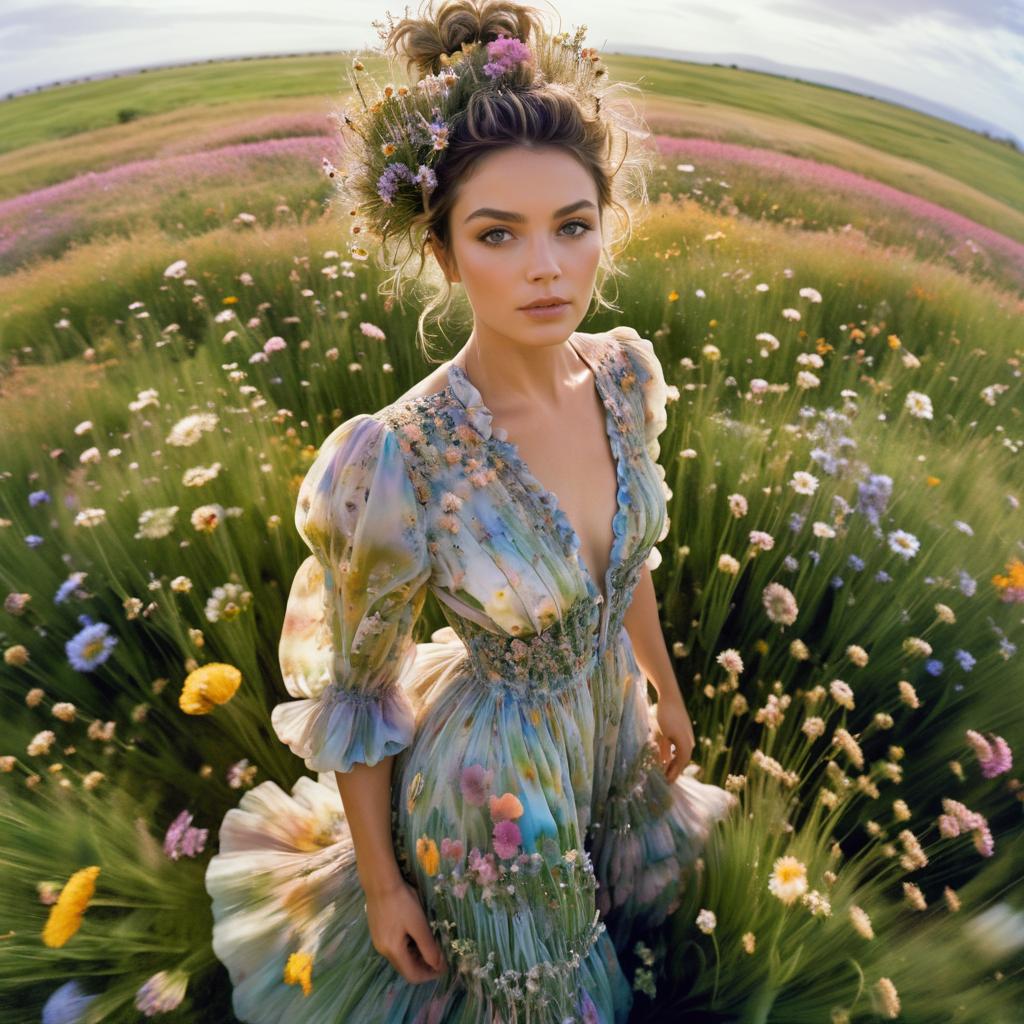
[481,420]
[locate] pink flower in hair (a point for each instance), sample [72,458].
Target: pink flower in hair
[506,53]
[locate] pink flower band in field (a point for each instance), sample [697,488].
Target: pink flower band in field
[830,176]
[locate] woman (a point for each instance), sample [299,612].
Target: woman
[510,816]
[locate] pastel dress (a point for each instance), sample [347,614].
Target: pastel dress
[529,807]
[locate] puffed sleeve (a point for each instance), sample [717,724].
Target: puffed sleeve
[347,633]
[654,392]
[652,384]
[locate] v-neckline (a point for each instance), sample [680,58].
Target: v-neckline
[523,471]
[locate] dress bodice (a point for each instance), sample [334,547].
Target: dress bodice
[505,559]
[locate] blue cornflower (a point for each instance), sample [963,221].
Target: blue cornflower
[796,521]
[814,556]
[68,587]
[966,659]
[1006,648]
[90,646]
[790,564]
[968,584]
[836,582]
[67,1004]
[33,540]
[38,498]
[856,563]
[933,666]
[882,577]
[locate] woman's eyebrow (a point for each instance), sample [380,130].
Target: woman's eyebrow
[488,211]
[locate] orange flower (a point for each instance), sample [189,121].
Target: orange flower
[229,300]
[673,296]
[66,914]
[505,807]
[894,341]
[933,481]
[427,855]
[1014,576]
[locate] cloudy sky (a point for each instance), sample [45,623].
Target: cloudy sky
[961,54]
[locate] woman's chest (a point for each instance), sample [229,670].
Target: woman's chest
[520,532]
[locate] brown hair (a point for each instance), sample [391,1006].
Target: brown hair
[553,101]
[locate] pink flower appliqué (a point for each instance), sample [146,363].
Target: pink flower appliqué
[476,784]
[507,838]
[451,848]
[483,866]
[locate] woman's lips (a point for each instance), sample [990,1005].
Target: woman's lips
[545,312]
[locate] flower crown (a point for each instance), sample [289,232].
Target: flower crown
[396,142]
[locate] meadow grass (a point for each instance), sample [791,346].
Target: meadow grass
[845,424]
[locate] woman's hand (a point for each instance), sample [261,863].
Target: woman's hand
[674,728]
[401,933]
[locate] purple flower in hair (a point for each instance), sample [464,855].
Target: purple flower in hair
[506,53]
[387,183]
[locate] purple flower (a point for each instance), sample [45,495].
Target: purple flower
[506,53]
[796,521]
[836,582]
[882,577]
[790,564]
[967,583]
[855,562]
[476,784]
[38,498]
[933,667]
[33,540]
[90,646]
[873,495]
[387,183]
[182,839]
[507,838]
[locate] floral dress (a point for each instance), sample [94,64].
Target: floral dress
[529,807]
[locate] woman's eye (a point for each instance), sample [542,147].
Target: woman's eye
[486,236]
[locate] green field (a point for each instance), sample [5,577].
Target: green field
[810,321]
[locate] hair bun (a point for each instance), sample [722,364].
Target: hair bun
[424,41]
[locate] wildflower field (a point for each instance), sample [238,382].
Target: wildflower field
[835,288]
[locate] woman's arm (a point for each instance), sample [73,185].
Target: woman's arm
[366,796]
[643,625]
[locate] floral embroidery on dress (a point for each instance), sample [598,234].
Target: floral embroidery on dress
[528,807]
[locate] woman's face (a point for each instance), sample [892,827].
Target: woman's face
[525,226]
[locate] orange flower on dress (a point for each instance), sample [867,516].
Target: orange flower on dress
[506,807]
[427,854]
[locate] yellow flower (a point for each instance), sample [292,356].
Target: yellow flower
[894,341]
[761,646]
[427,855]
[673,296]
[298,971]
[933,481]
[229,300]
[208,686]
[66,914]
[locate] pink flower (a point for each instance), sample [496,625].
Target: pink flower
[995,757]
[484,867]
[506,52]
[476,784]
[451,848]
[507,838]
